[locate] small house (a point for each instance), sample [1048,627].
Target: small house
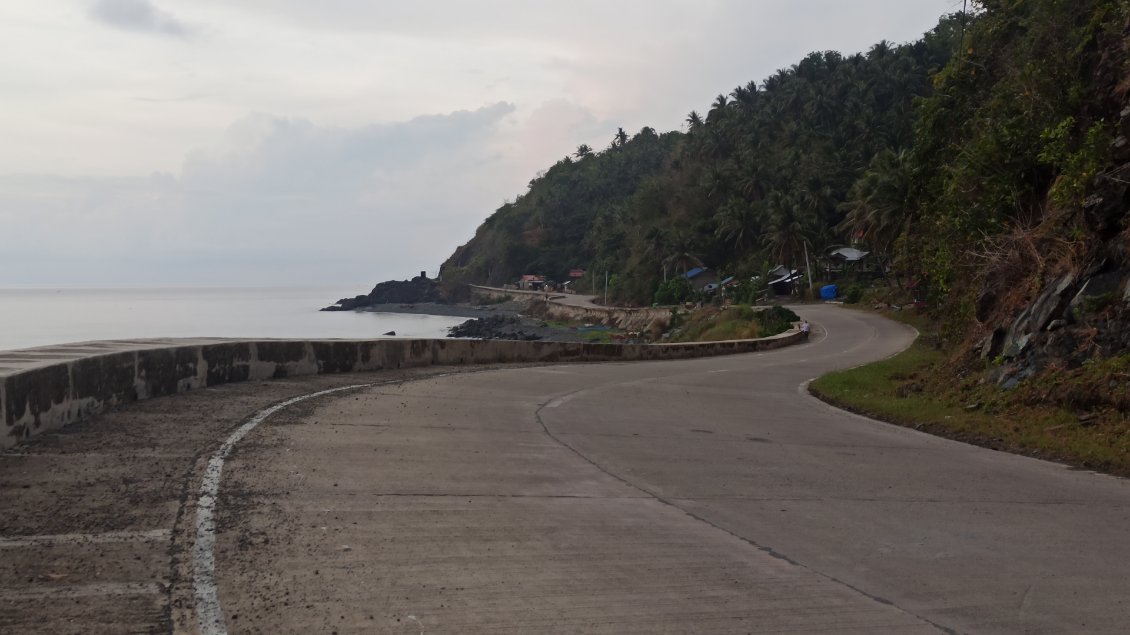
[531,282]
[782,280]
[700,277]
[849,260]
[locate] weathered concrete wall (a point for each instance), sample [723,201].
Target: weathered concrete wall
[630,319]
[495,293]
[627,319]
[46,388]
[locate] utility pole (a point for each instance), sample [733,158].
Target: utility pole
[961,41]
[605,287]
[808,266]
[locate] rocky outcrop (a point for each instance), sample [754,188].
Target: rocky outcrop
[495,327]
[1074,319]
[415,291]
[1081,314]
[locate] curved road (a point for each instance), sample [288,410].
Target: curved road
[702,496]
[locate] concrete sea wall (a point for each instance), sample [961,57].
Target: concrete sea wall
[43,389]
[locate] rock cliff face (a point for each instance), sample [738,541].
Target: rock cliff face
[1080,314]
[1074,320]
[414,291]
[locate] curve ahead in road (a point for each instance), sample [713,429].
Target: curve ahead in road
[709,495]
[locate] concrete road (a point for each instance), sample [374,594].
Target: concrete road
[702,496]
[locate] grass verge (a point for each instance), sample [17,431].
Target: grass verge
[738,322]
[914,389]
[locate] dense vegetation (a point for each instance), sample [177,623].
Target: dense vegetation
[760,178]
[573,216]
[988,163]
[962,159]
[716,324]
[1011,141]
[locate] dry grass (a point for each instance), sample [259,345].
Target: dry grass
[1078,417]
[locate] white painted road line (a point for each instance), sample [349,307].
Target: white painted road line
[209,614]
[556,403]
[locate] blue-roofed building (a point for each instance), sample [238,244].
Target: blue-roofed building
[699,277]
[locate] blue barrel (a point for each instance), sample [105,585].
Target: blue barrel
[828,292]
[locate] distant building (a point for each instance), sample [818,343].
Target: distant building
[531,282]
[778,271]
[782,280]
[700,277]
[849,260]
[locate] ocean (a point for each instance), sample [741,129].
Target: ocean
[39,317]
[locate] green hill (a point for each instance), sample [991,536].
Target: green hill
[987,163]
[763,172]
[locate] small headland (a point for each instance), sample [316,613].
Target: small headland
[520,316]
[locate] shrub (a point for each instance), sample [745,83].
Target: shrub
[853,294]
[776,320]
[674,291]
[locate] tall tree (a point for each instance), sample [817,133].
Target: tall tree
[881,202]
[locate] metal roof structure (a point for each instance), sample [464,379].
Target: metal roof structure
[849,254]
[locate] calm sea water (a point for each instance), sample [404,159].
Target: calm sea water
[38,317]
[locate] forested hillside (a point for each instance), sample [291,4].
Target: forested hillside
[759,175]
[988,162]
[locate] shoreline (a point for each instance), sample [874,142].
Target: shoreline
[443,310]
[512,320]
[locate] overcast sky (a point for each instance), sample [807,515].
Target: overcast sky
[150,142]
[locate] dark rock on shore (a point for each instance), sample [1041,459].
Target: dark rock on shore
[495,327]
[417,290]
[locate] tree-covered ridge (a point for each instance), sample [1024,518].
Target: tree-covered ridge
[773,164]
[964,159]
[572,211]
[989,163]
[761,176]
[1017,132]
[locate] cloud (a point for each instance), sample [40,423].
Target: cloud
[139,15]
[295,157]
[281,200]
[323,193]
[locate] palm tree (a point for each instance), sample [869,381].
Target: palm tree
[718,109]
[788,230]
[737,223]
[879,204]
[745,97]
[684,252]
[713,181]
[694,121]
[620,139]
[880,51]
[818,200]
[657,246]
[583,151]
